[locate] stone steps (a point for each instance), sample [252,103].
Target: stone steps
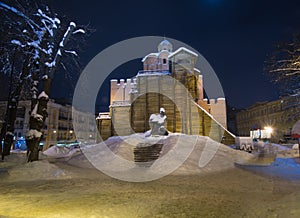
[145,154]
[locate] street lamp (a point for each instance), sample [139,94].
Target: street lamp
[269,131]
[70,134]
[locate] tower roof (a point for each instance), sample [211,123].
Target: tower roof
[185,50]
[165,45]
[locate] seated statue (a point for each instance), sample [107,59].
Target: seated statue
[157,123]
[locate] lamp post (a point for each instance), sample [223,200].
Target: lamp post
[70,134]
[269,131]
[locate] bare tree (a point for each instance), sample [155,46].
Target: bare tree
[283,66]
[12,104]
[45,40]
[14,63]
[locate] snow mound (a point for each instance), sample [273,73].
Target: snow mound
[223,157]
[38,170]
[61,152]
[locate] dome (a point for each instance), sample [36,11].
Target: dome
[165,45]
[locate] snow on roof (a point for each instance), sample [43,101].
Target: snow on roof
[151,54]
[153,73]
[164,51]
[155,54]
[183,49]
[104,115]
[197,70]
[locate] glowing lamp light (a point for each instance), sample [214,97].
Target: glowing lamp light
[269,129]
[54,131]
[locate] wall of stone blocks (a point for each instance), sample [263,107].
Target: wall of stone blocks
[120,91]
[104,128]
[218,110]
[120,118]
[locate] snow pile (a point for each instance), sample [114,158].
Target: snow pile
[223,159]
[57,160]
[61,152]
[282,151]
[272,148]
[38,170]
[280,147]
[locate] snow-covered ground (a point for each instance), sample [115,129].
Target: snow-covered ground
[69,186]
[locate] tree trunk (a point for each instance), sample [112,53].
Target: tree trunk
[36,120]
[11,113]
[9,135]
[5,134]
[39,106]
[34,135]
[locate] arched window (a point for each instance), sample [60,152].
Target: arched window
[164,61]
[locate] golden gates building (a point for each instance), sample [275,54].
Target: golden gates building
[169,80]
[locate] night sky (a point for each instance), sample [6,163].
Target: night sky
[235,36]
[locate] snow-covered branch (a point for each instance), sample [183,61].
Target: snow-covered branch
[283,65]
[49,23]
[19,13]
[67,34]
[71,52]
[293,73]
[79,31]
[284,69]
[62,44]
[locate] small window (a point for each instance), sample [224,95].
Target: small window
[164,61]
